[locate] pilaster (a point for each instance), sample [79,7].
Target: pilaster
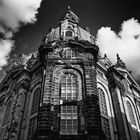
[93,119]
[116,90]
[44,117]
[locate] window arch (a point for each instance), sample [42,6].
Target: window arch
[36,100]
[69,112]
[131,113]
[104,114]
[7,113]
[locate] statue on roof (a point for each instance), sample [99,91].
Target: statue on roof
[120,63]
[17,60]
[69,7]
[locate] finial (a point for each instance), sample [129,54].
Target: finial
[118,57]
[32,56]
[69,7]
[120,63]
[105,56]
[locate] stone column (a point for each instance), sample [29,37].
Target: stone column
[16,123]
[44,116]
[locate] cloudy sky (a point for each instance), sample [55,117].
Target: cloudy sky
[114,23]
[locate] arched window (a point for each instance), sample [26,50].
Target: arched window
[68,34]
[102,101]
[69,117]
[68,53]
[131,113]
[36,100]
[35,107]
[104,114]
[7,112]
[68,87]
[32,128]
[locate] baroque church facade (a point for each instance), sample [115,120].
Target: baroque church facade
[68,91]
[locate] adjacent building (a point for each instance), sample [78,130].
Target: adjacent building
[67,91]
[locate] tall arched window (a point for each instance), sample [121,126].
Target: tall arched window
[69,117]
[7,112]
[33,119]
[104,114]
[32,127]
[36,100]
[68,87]
[131,113]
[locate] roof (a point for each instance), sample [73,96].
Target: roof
[53,35]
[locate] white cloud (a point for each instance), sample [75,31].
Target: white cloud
[126,43]
[13,14]
[5,49]
[25,58]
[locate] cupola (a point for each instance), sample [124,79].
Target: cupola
[69,29]
[69,25]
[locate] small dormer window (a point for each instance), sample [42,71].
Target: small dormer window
[69,34]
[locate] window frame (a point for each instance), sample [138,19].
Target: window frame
[105,119]
[71,81]
[36,100]
[131,113]
[6,117]
[32,127]
[134,113]
[33,113]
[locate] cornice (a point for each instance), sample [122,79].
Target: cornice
[77,45]
[114,78]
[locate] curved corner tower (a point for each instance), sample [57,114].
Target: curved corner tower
[69,107]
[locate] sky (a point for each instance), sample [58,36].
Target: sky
[114,23]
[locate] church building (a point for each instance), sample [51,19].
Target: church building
[68,91]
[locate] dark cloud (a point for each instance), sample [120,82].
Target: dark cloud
[14,14]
